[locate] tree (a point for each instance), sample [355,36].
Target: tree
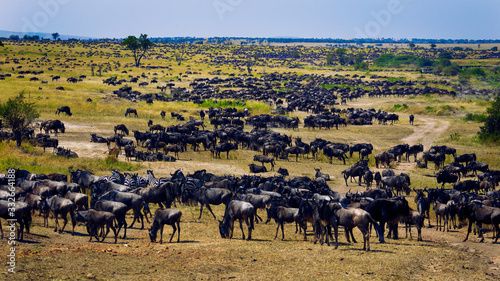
[411,45]
[14,37]
[433,46]
[491,129]
[138,46]
[55,35]
[18,115]
[1,44]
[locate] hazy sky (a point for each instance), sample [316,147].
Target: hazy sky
[450,19]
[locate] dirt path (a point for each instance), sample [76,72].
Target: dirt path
[425,133]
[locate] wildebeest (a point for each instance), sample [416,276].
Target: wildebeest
[122,128]
[257,169]
[165,216]
[414,150]
[423,204]
[283,172]
[64,109]
[330,152]
[412,118]
[206,196]
[81,200]
[475,166]
[332,213]
[118,209]
[16,212]
[384,158]
[225,147]
[162,114]
[282,214]
[442,213]
[388,211]
[52,125]
[445,177]
[417,219]
[319,174]
[467,158]
[157,128]
[264,159]
[132,200]
[240,210]
[96,220]
[98,139]
[130,111]
[475,212]
[60,206]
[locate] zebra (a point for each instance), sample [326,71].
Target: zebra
[154,182]
[130,181]
[115,177]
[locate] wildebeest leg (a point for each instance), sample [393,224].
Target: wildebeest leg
[175,229]
[64,217]
[241,227]
[161,232]
[250,227]
[468,231]
[210,209]
[278,224]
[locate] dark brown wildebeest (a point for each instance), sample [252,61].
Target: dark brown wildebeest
[240,210]
[122,128]
[60,206]
[96,220]
[166,216]
[20,215]
[131,111]
[64,109]
[476,212]
[157,128]
[257,169]
[264,159]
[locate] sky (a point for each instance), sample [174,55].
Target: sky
[430,19]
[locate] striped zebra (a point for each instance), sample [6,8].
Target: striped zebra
[154,182]
[115,177]
[130,181]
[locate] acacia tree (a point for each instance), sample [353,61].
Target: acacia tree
[491,129]
[55,35]
[138,46]
[1,44]
[18,115]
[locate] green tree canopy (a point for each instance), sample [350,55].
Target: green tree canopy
[18,115]
[55,35]
[1,44]
[138,46]
[491,129]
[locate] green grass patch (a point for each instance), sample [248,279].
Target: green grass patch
[475,117]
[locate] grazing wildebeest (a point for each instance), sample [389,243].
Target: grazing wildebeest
[478,213]
[60,206]
[240,210]
[257,169]
[352,172]
[264,159]
[131,111]
[475,166]
[412,118]
[445,177]
[225,147]
[16,212]
[132,200]
[123,128]
[384,158]
[206,196]
[118,209]
[64,109]
[330,152]
[332,213]
[165,216]
[96,220]
[157,128]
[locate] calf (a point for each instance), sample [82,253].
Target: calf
[99,219]
[442,213]
[417,219]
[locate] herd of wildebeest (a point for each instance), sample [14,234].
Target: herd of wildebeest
[102,202]
[299,200]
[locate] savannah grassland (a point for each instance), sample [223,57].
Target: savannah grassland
[202,254]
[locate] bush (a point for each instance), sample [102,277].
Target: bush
[491,129]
